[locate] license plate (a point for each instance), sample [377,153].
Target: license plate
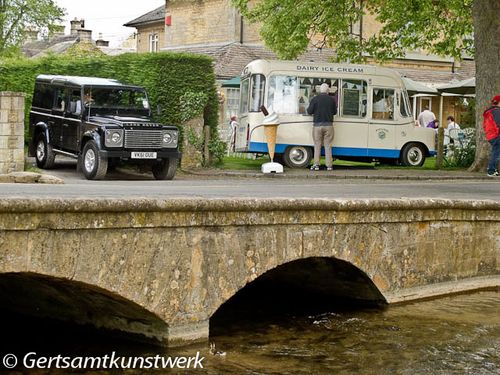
[143,155]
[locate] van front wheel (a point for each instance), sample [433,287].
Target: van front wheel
[413,155]
[297,156]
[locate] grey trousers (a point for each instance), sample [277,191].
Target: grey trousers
[323,136]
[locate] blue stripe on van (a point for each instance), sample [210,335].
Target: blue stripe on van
[337,151]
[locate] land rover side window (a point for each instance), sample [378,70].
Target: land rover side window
[403,104]
[244,96]
[383,104]
[43,97]
[75,102]
[257,96]
[354,98]
[60,102]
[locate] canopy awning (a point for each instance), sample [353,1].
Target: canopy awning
[414,87]
[233,82]
[465,87]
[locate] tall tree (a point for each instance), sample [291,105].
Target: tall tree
[17,17]
[444,27]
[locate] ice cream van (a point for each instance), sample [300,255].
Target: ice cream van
[373,123]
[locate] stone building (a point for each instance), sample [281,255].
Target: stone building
[59,43]
[215,28]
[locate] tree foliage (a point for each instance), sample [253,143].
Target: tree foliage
[443,27]
[17,17]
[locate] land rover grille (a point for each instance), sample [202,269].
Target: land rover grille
[143,139]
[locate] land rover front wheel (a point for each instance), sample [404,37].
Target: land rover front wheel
[94,166]
[413,155]
[297,156]
[44,154]
[165,169]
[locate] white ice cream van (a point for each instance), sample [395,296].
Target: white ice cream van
[373,123]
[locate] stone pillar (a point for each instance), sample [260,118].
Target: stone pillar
[192,147]
[11,132]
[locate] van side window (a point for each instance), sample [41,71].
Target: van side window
[403,104]
[354,98]
[43,96]
[291,95]
[244,95]
[257,95]
[383,104]
[283,94]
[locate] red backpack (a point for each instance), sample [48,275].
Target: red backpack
[491,130]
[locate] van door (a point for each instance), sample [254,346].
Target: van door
[383,124]
[351,125]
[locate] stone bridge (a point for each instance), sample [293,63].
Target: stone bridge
[162,268]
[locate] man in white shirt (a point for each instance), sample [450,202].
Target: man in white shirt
[425,117]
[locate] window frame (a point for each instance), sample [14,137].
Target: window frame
[363,96]
[154,42]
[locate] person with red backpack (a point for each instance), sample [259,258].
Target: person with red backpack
[491,125]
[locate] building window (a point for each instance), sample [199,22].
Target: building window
[153,42]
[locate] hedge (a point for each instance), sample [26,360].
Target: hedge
[168,78]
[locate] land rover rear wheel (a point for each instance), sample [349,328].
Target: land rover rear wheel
[44,155]
[165,169]
[94,165]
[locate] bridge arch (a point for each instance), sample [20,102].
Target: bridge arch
[309,285]
[34,295]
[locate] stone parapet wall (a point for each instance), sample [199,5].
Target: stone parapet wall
[11,132]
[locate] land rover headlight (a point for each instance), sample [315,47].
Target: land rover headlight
[114,138]
[170,138]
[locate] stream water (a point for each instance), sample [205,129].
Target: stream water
[453,335]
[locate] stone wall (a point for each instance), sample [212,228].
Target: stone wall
[11,132]
[206,22]
[181,259]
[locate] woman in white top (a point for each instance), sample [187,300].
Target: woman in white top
[451,125]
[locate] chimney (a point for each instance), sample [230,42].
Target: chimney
[76,25]
[101,42]
[84,35]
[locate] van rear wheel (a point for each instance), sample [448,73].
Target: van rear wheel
[413,155]
[297,156]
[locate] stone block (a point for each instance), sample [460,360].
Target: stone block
[11,129]
[4,115]
[6,102]
[11,142]
[9,168]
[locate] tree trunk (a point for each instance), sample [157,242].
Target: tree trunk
[487,58]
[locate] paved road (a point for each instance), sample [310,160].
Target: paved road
[211,187]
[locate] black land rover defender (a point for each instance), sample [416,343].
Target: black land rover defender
[102,123]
